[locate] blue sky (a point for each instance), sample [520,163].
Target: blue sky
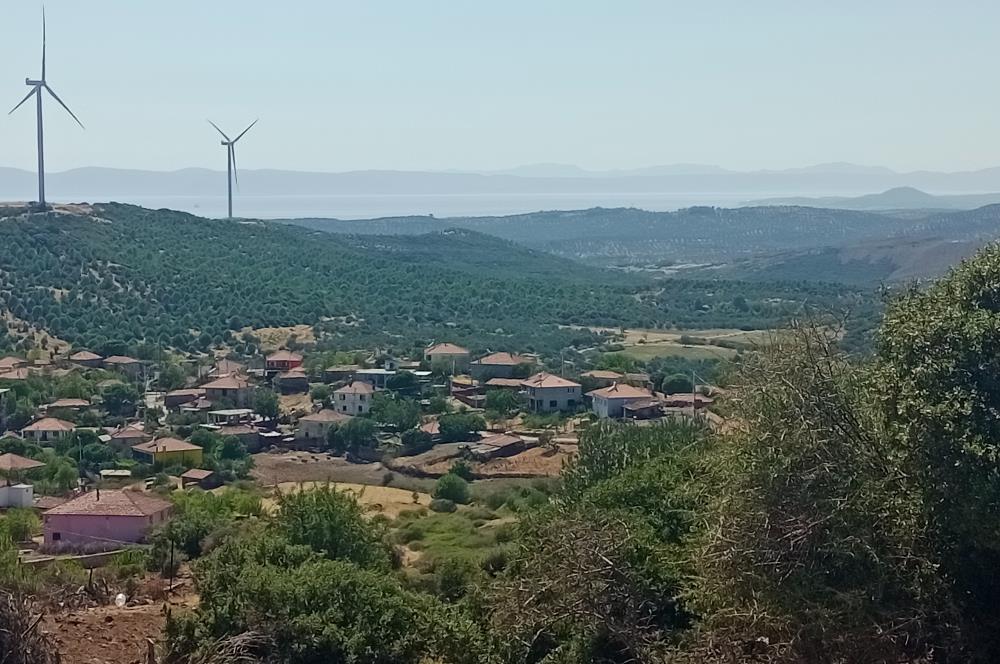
[421,84]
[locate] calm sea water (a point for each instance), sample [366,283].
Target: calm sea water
[439,205]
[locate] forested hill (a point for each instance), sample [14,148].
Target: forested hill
[123,273]
[772,242]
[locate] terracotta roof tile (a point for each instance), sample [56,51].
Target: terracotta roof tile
[446,349]
[503,359]
[356,387]
[50,424]
[112,503]
[620,391]
[165,445]
[544,380]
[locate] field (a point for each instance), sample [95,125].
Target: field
[696,344]
[376,499]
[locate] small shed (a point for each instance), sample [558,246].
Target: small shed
[200,477]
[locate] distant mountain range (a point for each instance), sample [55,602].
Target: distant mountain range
[898,198]
[822,180]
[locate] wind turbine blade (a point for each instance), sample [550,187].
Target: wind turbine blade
[219,130]
[56,97]
[26,98]
[232,155]
[43,42]
[246,130]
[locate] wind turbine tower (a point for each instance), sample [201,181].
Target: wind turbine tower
[230,145]
[37,86]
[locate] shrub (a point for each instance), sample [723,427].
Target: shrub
[387,478]
[495,561]
[443,505]
[21,524]
[452,487]
[462,469]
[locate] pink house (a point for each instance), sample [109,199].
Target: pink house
[104,517]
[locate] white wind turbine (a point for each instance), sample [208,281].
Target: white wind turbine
[36,90]
[231,159]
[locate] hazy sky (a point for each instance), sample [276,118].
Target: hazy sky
[421,84]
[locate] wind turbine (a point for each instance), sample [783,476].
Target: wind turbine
[36,90]
[231,159]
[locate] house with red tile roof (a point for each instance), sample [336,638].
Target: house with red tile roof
[86,359]
[127,365]
[498,365]
[234,388]
[355,398]
[282,360]
[316,425]
[168,451]
[603,377]
[104,518]
[548,393]
[47,430]
[68,404]
[448,356]
[611,401]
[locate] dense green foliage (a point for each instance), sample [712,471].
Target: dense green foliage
[173,280]
[453,487]
[938,381]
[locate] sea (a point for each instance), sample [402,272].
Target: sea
[369,206]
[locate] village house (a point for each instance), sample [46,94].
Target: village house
[448,357]
[127,437]
[496,446]
[354,398]
[234,389]
[85,358]
[226,367]
[230,416]
[47,430]
[548,393]
[168,452]
[610,402]
[282,360]
[292,382]
[639,379]
[603,377]
[315,426]
[127,365]
[12,467]
[375,377]
[515,384]
[106,518]
[177,398]
[204,479]
[340,373]
[67,404]
[497,365]
[687,400]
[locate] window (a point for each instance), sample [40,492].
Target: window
[362,397]
[361,408]
[571,403]
[343,397]
[553,403]
[344,408]
[56,537]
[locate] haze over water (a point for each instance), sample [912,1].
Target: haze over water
[365,206]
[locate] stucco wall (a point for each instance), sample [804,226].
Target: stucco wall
[84,529]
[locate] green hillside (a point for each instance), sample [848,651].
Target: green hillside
[123,273]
